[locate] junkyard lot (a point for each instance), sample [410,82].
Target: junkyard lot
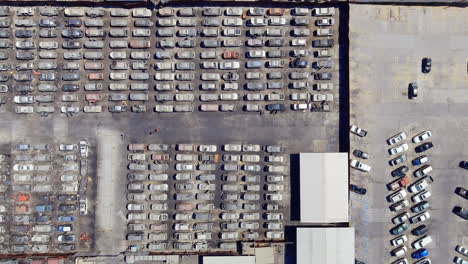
[385,56]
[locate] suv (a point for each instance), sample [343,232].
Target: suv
[420,230]
[426,65]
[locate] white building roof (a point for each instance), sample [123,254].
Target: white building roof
[325,245]
[324,187]
[228,259]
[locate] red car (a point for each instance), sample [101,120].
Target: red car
[160,157]
[96,76]
[231,55]
[140,44]
[93,98]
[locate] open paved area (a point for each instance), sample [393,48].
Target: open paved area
[387,44]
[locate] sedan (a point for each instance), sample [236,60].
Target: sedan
[72,33]
[420,160]
[422,136]
[398,160]
[396,138]
[423,147]
[400,171]
[360,154]
[399,229]
[360,166]
[399,240]
[420,253]
[398,149]
[357,189]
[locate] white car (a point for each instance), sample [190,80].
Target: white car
[422,136]
[207,148]
[397,196]
[360,166]
[399,205]
[184,166]
[68,147]
[461,250]
[251,147]
[400,218]
[250,158]
[422,196]
[398,149]
[421,184]
[396,138]
[83,149]
[23,167]
[233,147]
[399,240]
[273,196]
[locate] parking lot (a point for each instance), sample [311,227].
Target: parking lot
[46,204]
[198,197]
[386,57]
[109,137]
[230,59]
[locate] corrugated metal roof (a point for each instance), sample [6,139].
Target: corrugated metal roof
[324,187]
[325,245]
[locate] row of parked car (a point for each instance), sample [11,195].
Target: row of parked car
[191,223]
[45,223]
[420,197]
[165,12]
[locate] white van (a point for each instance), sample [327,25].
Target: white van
[422,242]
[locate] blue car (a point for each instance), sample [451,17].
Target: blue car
[65,218]
[421,253]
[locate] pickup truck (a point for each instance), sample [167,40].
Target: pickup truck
[358,131]
[399,183]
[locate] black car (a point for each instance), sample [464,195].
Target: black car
[322,43]
[357,189]
[70,76]
[423,147]
[426,65]
[400,171]
[73,22]
[420,230]
[24,33]
[413,90]
[463,213]
[360,154]
[70,87]
[72,33]
[67,197]
[464,164]
[276,107]
[462,192]
[71,45]
[298,63]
